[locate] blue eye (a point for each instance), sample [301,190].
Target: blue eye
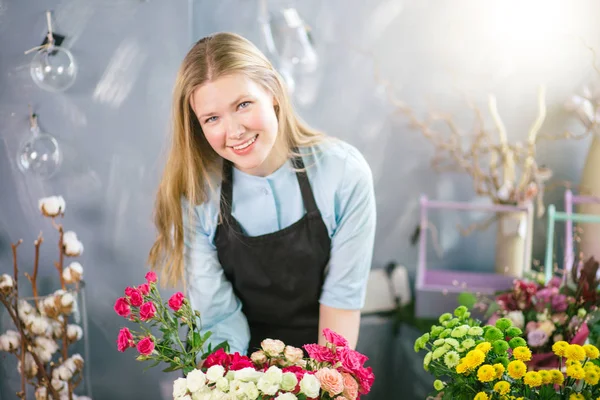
[209,119]
[244,104]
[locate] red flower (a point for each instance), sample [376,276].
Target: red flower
[365,379]
[147,311]
[176,301]
[145,346]
[351,360]
[334,338]
[319,353]
[135,298]
[219,357]
[237,362]
[122,307]
[151,277]
[124,340]
[144,288]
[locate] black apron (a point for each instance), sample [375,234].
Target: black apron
[278,277]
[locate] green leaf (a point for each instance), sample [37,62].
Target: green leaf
[301,396]
[467,299]
[173,367]
[154,364]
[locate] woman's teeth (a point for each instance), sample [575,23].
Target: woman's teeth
[246,144]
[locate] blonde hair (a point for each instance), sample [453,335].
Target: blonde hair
[191,162]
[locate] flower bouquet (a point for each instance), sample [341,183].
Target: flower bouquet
[471,361]
[552,312]
[44,327]
[277,371]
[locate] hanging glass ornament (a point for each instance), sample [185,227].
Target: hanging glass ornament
[53,68]
[40,154]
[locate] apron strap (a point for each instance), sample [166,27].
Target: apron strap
[227,188]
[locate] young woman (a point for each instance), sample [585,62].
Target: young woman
[268,223]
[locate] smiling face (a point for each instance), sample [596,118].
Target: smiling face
[238,119]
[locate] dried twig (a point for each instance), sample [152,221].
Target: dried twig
[33,279]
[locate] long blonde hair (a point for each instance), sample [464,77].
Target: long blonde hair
[191,160]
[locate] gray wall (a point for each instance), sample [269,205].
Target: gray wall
[112,127]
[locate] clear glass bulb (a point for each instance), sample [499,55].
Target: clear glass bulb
[53,68]
[40,155]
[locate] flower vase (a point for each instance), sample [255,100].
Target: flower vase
[549,360]
[590,186]
[513,252]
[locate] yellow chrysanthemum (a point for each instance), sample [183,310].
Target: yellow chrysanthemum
[576,396]
[591,376]
[486,373]
[546,376]
[576,372]
[499,370]
[557,377]
[502,387]
[568,363]
[481,396]
[575,352]
[484,346]
[522,353]
[517,369]
[559,348]
[533,379]
[591,351]
[475,358]
[462,367]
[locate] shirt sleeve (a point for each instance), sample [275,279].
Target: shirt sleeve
[353,238]
[209,291]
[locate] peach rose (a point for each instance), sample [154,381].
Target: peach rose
[350,387]
[259,357]
[293,354]
[331,381]
[272,347]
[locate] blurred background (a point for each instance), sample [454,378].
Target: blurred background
[348,64]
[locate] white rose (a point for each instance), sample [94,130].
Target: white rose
[289,381]
[310,386]
[251,391]
[179,388]
[195,380]
[517,319]
[214,373]
[286,396]
[248,374]
[186,397]
[274,374]
[203,394]
[52,206]
[267,387]
[272,347]
[222,384]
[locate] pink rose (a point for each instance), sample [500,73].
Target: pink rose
[147,311]
[350,387]
[319,353]
[151,277]
[124,340]
[365,379]
[351,360]
[331,381]
[239,362]
[145,346]
[135,298]
[144,289]
[334,338]
[128,291]
[122,307]
[176,301]
[341,398]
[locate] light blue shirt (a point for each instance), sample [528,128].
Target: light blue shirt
[342,185]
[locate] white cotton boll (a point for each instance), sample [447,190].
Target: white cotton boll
[67,300]
[179,388]
[64,373]
[41,393]
[6,283]
[57,384]
[52,206]
[39,325]
[45,348]
[72,246]
[74,332]
[10,341]
[25,309]
[73,273]
[31,368]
